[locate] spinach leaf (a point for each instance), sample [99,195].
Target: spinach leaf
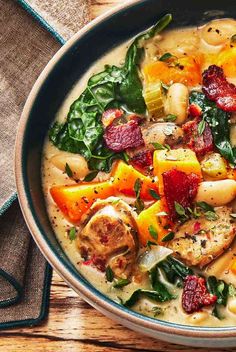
[218,288]
[115,87]
[174,270]
[136,295]
[219,125]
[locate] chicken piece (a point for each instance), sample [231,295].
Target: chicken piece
[109,237]
[198,242]
[163,133]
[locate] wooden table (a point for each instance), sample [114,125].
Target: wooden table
[74,326]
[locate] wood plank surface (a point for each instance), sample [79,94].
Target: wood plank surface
[74,326]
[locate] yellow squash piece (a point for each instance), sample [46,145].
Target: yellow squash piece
[125,177]
[181,159]
[152,220]
[74,201]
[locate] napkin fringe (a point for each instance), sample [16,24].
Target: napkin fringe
[42,21]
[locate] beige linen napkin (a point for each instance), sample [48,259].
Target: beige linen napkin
[25,48]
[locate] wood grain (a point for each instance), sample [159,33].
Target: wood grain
[74,326]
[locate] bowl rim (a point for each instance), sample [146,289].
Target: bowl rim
[104,305]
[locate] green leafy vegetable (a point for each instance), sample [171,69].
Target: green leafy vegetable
[218,121]
[68,170]
[218,288]
[174,270]
[109,274]
[232,290]
[153,232]
[72,233]
[115,87]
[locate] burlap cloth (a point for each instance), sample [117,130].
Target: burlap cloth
[25,48]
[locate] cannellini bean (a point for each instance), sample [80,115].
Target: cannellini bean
[217,32]
[232,306]
[233,135]
[163,133]
[217,193]
[77,164]
[198,317]
[177,102]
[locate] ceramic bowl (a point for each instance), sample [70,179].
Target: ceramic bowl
[51,88]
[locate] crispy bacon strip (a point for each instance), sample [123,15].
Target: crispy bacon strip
[122,137]
[218,89]
[200,144]
[142,159]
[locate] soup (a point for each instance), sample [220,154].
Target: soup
[139,174]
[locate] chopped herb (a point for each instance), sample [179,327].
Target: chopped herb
[126,157]
[68,170]
[170,118]
[159,146]
[166,57]
[205,206]
[153,232]
[201,127]
[139,204]
[157,311]
[109,274]
[168,237]
[115,201]
[179,209]
[211,216]
[91,176]
[119,283]
[72,233]
[137,187]
[154,194]
[150,243]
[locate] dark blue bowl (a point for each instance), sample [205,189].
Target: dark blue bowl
[51,88]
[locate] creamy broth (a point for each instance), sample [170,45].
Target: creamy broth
[181,41]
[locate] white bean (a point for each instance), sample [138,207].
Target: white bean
[77,164]
[177,102]
[217,32]
[198,317]
[217,193]
[232,306]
